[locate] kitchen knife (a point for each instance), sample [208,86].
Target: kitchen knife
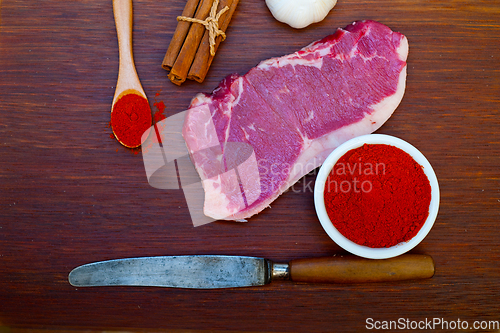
[219,271]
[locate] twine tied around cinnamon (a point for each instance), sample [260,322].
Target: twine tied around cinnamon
[211,23]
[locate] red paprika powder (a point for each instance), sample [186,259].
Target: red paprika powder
[159,115]
[130,118]
[377,196]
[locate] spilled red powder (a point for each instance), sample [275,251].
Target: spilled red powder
[159,115]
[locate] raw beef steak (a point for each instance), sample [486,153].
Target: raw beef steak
[289,113]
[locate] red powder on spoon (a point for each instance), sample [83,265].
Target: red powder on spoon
[130,118]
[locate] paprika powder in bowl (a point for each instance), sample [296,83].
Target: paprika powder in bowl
[376,196]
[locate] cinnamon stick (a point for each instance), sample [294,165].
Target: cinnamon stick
[180,69]
[203,58]
[179,36]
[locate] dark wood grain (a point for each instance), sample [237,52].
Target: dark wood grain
[70,194]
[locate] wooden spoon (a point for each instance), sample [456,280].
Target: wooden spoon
[128,80]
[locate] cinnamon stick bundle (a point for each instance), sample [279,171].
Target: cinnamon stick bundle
[203,58]
[179,36]
[188,54]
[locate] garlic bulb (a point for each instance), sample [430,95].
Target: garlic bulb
[300,13]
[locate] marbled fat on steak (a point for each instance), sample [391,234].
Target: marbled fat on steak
[292,111]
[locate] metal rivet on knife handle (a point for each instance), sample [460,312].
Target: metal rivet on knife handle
[280,271]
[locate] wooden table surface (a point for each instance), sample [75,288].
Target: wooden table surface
[70,194]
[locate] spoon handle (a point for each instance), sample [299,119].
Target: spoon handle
[127,74]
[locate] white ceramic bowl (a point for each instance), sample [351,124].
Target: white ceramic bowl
[345,243]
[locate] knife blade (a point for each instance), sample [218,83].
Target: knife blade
[221,271]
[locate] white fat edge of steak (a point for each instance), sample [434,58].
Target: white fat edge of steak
[228,204]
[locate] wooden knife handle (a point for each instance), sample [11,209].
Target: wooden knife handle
[354,269]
